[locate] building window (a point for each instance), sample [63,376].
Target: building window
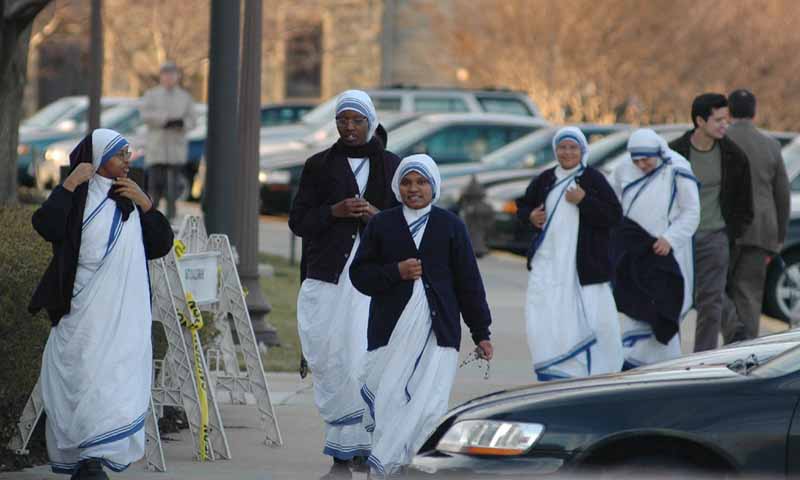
[304,62]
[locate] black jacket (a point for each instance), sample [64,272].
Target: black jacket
[599,211]
[326,180]
[59,221]
[647,287]
[450,275]
[736,194]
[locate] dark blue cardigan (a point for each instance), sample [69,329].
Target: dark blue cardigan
[449,271]
[599,211]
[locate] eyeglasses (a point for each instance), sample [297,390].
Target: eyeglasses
[124,154]
[356,122]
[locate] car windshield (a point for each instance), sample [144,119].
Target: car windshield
[531,150]
[408,134]
[50,115]
[323,113]
[784,364]
[791,158]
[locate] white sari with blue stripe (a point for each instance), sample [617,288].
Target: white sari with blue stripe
[573,330]
[407,383]
[666,204]
[97,364]
[332,325]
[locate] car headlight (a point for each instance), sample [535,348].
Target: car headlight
[57,156]
[23,149]
[490,437]
[280,177]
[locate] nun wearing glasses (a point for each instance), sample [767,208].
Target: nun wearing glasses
[97,364]
[572,325]
[417,264]
[652,249]
[340,190]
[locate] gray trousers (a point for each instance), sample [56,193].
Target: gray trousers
[162,182]
[711,257]
[746,277]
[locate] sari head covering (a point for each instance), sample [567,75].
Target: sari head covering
[425,166]
[97,148]
[576,135]
[359,102]
[646,143]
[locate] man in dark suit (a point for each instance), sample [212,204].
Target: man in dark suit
[771,205]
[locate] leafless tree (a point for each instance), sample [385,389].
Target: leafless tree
[16,17]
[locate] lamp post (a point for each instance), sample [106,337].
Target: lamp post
[245,179]
[96,64]
[222,140]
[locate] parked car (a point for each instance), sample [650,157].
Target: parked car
[410,99]
[65,118]
[685,422]
[447,137]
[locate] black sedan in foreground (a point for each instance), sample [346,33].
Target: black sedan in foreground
[706,420]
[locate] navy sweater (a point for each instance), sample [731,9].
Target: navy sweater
[599,211]
[450,275]
[326,180]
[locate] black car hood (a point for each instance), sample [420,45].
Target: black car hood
[589,385]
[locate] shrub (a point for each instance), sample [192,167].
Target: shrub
[23,258]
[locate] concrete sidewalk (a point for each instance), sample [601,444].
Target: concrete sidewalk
[505,278]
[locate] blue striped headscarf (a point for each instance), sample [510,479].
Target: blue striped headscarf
[105,144]
[646,143]
[576,135]
[425,166]
[359,102]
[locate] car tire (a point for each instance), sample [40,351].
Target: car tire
[781,292]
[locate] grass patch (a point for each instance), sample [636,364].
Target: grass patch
[281,290]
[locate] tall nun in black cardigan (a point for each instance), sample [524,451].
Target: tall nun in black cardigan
[417,264]
[341,188]
[98,361]
[571,318]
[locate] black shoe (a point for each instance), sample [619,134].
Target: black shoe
[338,471]
[90,469]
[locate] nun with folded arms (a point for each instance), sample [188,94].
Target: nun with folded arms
[571,319]
[417,264]
[652,249]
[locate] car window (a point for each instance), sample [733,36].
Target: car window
[467,143]
[388,104]
[510,106]
[796,184]
[278,116]
[439,104]
[51,114]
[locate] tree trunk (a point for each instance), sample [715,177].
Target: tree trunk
[12,84]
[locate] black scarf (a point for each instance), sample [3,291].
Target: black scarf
[83,154]
[376,183]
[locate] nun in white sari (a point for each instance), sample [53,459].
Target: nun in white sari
[332,324]
[411,365]
[659,192]
[97,364]
[571,318]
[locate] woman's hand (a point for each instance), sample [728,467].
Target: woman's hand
[82,173]
[662,247]
[127,188]
[485,349]
[538,216]
[410,269]
[350,208]
[575,194]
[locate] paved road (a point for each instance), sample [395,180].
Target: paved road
[505,278]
